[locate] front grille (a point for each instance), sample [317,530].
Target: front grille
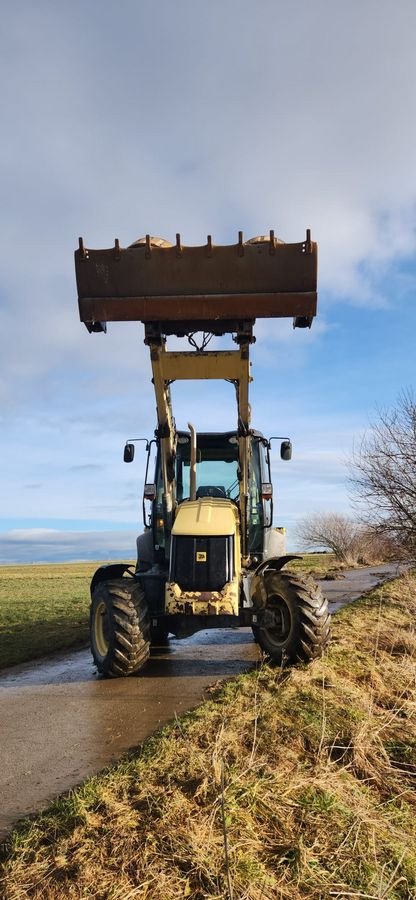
[202,563]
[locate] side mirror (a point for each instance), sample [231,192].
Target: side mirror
[128,455]
[149,492]
[286,450]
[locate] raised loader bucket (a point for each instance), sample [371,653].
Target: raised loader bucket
[155,281]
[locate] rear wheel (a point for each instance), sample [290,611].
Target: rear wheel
[296,619]
[119,627]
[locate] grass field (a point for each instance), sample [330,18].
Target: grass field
[45,608]
[295,784]
[42,609]
[316,564]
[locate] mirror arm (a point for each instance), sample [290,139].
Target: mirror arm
[136,441]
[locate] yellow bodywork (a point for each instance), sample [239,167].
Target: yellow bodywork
[207,517]
[203,603]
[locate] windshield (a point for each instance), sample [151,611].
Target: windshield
[216,476]
[216,466]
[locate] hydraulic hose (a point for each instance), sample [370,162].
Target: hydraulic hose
[192,476]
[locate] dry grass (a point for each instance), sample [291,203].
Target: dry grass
[309,776]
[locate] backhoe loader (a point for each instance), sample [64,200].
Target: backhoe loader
[209,556]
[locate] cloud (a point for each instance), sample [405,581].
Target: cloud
[87,467]
[49,545]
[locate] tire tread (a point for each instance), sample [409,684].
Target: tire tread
[309,606]
[129,643]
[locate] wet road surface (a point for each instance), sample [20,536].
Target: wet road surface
[60,723]
[353,583]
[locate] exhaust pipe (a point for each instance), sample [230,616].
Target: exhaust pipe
[192,474]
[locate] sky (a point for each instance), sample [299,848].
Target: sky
[131,118]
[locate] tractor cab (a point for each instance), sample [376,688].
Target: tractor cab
[218,476]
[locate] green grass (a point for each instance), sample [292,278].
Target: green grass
[43,608]
[316,564]
[309,773]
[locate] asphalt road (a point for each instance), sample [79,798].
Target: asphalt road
[60,723]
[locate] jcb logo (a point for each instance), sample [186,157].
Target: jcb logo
[201,556]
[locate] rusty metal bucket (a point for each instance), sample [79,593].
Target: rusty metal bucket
[155,281]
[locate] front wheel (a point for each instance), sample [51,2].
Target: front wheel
[296,619]
[119,627]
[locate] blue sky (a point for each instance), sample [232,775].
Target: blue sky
[198,118]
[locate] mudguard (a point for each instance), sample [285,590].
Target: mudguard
[276,563]
[106,573]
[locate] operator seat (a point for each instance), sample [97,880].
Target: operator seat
[210,490]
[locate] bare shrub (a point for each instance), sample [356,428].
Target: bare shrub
[351,542]
[376,547]
[383,474]
[331,531]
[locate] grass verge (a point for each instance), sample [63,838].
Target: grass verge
[283,784]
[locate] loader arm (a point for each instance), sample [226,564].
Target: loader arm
[169,366]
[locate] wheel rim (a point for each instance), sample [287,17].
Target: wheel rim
[101,629]
[280,631]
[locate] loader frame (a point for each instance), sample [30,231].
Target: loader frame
[198,579]
[228,365]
